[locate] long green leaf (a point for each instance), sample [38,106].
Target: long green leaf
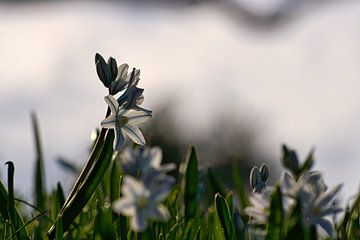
[215,183]
[14,217]
[191,183]
[115,174]
[276,218]
[39,182]
[240,186]
[59,229]
[87,189]
[224,216]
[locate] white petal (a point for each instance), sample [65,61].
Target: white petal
[138,221]
[123,71]
[160,213]
[136,117]
[327,226]
[112,103]
[119,139]
[327,197]
[168,167]
[133,187]
[109,122]
[134,134]
[155,157]
[124,206]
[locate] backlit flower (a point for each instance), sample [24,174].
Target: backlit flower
[124,122]
[141,203]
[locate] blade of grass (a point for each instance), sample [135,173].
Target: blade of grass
[215,183]
[39,183]
[223,213]
[240,186]
[276,218]
[86,190]
[19,230]
[59,229]
[191,183]
[15,219]
[115,181]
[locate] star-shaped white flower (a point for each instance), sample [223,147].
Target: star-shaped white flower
[316,200]
[141,203]
[124,122]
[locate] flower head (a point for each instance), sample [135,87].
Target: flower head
[258,178]
[141,203]
[316,202]
[124,122]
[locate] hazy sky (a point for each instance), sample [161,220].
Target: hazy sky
[300,81]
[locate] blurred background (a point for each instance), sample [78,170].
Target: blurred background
[236,78]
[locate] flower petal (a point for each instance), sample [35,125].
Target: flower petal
[327,226]
[136,117]
[133,187]
[138,221]
[112,103]
[124,206]
[119,139]
[109,122]
[155,156]
[122,71]
[134,134]
[160,213]
[327,197]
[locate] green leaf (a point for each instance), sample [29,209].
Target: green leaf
[16,221]
[115,175]
[39,166]
[290,160]
[276,218]
[103,224]
[240,186]
[308,163]
[59,228]
[224,216]
[191,184]
[354,228]
[239,226]
[215,183]
[87,189]
[296,227]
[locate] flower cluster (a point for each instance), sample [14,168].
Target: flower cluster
[145,185]
[301,187]
[125,111]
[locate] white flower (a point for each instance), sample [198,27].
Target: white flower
[260,206]
[141,203]
[143,160]
[316,201]
[124,121]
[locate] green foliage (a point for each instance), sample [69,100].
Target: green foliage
[223,213]
[191,184]
[195,206]
[275,227]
